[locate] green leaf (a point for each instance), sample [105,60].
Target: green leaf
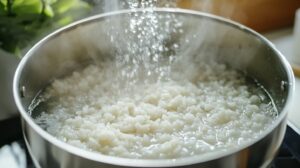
[64,21]
[50,1]
[3,2]
[48,11]
[2,9]
[62,6]
[81,5]
[29,19]
[18,2]
[27,7]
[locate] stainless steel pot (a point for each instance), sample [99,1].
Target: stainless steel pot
[75,45]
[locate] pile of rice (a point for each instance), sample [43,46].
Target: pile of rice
[217,110]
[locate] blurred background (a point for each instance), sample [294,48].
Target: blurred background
[24,22]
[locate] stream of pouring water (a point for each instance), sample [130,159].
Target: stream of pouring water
[143,48]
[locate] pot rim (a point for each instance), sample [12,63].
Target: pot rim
[113,160]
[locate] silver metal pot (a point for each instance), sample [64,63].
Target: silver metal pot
[75,45]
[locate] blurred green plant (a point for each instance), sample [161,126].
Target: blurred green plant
[23,20]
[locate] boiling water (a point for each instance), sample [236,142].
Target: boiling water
[217,111]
